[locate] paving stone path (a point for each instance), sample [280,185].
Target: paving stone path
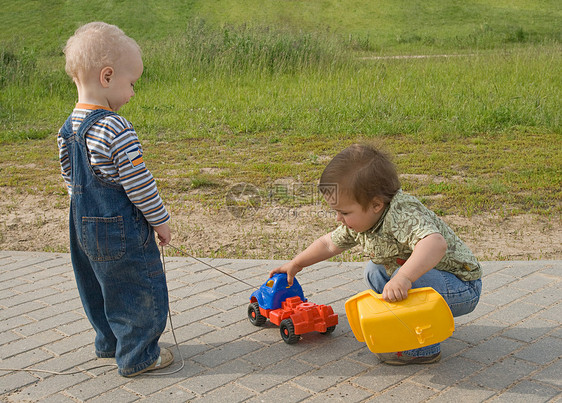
[509,349]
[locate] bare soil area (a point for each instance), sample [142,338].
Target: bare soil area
[35,223]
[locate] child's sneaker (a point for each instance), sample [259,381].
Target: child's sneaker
[164,359]
[401,359]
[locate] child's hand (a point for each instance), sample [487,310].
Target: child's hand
[397,288]
[164,234]
[427,253]
[290,268]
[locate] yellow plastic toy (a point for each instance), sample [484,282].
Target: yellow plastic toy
[422,319]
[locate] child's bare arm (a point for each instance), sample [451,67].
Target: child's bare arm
[164,234]
[321,249]
[426,254]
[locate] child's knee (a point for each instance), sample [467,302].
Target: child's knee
[375,277]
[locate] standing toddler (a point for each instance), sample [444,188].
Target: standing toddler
[115,207]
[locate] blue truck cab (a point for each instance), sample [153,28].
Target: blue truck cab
[276,290]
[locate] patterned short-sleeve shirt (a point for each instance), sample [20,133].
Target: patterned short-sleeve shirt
[404,222]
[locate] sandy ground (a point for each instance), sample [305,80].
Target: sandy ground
[34,223]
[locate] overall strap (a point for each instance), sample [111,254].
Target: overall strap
[66,129]
[91,119]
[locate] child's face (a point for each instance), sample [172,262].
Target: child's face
[352,215]
[125,74]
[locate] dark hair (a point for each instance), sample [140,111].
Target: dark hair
[362,172]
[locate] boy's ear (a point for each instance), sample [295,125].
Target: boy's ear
[106,75]
[378,204]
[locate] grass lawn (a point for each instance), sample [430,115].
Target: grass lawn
[257,92]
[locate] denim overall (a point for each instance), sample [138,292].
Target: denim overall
[116,261]
[461,296]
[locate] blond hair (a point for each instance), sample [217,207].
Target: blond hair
[361,172]
[94,46]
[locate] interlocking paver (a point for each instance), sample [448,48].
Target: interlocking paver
[26,308]
[514,313]
[15,381]
[286,393]
[533,282]
[71,343]
[329,349]
[223,319]
[329,374]
[479,330]
[58,398]
[7,337]
[342,392]
[380,378]
[404,392]
[39,283]
[75,327]
[123,396]
[530,330]
[283,371]
[463,392]
[194,301]
[546,296]
[47,323]
[11,299]
[21,267]
[26,358]
[508,349]
[264,355]
[153,383]
[28,343]
[82,358]
[208,314]
[10,283]
[528,392]
[224,353]
[90,388]
[493,350]
[450,371]
[551,374]
[15,322]
[230,393]
[453,347]
[212,379]
[232,300]
[49,386]
[542,351]
[192,331]
[553,313]
[69,298]
[501,374]
[498,280]
[504,295]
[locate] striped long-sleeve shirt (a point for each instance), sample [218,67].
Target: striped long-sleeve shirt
[115,155]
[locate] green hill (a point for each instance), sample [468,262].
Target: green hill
[383,25]
[271,89]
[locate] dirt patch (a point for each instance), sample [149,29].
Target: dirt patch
[38,223]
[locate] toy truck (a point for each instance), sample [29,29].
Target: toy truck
[287,308]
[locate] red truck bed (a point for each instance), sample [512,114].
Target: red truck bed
[306,316]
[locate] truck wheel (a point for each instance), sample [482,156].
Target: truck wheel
[254,315]
[287,330]
[329,330]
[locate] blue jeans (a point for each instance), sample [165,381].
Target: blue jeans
[116,263]
[461,296]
